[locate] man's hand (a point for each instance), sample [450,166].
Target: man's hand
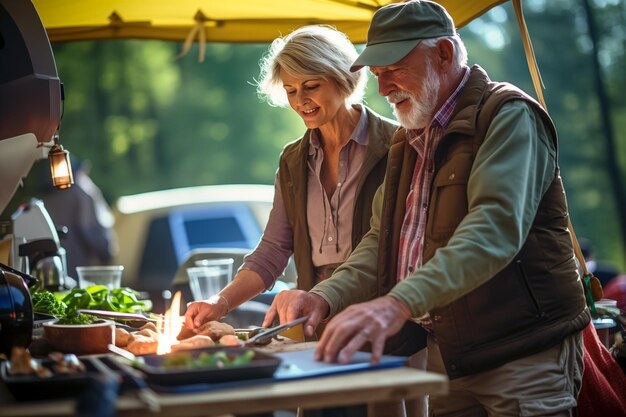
[290,305]
[200,312]
[373,321]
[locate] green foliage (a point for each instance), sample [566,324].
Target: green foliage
[99,297]
[74,317]
[65,306]
[45,302]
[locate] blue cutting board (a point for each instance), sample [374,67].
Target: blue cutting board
[296,365]
[301,364]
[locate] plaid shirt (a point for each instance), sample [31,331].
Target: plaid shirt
[425,142]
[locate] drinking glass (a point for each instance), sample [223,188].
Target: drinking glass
[109,276]
[209,276]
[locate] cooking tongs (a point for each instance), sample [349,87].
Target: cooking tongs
[123,316]
[268,334]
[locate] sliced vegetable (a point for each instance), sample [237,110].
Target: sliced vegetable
[72,317]
[218,359]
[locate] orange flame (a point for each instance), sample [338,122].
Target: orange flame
[169,327]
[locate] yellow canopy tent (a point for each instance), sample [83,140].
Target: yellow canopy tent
[234,20]
[221,20]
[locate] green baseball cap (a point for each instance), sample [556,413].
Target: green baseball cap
[397,28]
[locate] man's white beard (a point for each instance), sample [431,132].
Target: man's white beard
[422,106]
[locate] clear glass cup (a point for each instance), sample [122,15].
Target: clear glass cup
[204,282]
[223,265]
[109,276]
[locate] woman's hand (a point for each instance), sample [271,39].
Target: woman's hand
[244,286]
[200,312]
[290,305]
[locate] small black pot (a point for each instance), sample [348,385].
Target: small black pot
[16,312]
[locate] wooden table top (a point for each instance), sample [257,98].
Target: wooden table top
[344,389]
[367,386]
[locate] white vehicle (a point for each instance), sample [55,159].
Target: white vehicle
[160,232]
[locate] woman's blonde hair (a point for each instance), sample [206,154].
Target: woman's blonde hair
[311,51]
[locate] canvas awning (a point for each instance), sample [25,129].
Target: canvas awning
[235,20]
[222,20]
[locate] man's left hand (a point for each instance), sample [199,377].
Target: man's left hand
[373,321]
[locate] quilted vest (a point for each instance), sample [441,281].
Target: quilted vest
[531,304]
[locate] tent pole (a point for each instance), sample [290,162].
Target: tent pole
[613,168]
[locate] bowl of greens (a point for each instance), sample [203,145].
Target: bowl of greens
[79,333]
[80,339]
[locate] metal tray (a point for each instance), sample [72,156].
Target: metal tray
[262,365]
[33,387]
[58,386]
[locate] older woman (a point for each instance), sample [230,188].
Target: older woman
[326,179]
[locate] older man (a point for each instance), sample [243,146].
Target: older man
[469,233]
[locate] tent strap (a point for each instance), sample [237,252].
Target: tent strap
[198,30]
[530,53]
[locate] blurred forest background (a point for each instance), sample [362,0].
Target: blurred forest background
[148,121]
